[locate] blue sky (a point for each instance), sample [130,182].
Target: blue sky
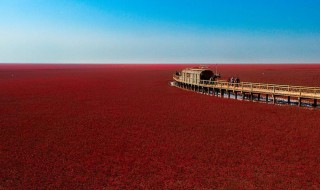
[159,31]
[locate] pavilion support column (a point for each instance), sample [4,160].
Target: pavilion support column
[267,98]
[243,95]
[236,95]
[259,96]
[289,99]
[229,93]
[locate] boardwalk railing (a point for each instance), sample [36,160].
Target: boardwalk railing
[259,88]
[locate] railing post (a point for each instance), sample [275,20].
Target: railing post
[300,92]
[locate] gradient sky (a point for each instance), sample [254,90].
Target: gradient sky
[159,31]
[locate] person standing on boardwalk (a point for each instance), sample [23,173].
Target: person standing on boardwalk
[237,81]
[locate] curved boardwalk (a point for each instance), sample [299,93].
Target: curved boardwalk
[253,90]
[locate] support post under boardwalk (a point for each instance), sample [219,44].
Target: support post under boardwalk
[289,101]
[259,97]
[299,101]
[221,92]
[251,96]
[236,95]
[229,93]
[315,103]
[267,98]
[274,99]
[243,95]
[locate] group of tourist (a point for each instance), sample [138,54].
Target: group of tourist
[234,80]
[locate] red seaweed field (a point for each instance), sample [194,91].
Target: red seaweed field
[124,127]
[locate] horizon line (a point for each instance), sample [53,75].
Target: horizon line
[157,63]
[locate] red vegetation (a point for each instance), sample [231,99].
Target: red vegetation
[124,127]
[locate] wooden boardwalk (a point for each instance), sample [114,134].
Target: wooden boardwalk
[253,90]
